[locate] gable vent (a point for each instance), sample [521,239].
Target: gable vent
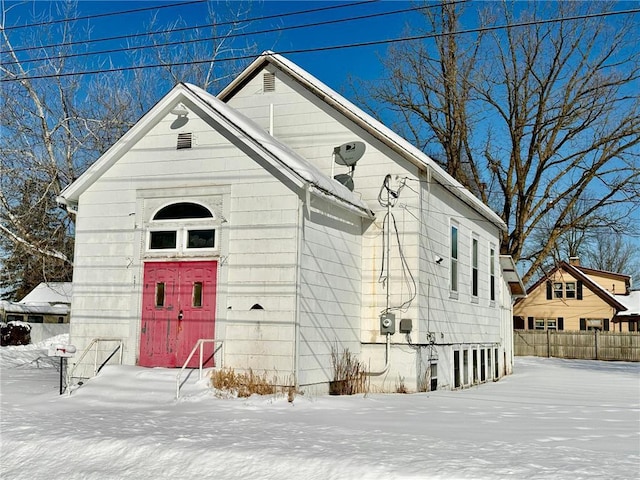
[269,82]
[184,140]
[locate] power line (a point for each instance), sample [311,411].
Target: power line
[218,37]
[330,47]
[206,25]
[107,14]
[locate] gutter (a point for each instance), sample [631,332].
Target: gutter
[68,206]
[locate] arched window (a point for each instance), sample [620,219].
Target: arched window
[186,232]
[177,211]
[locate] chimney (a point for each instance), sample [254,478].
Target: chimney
[575,261]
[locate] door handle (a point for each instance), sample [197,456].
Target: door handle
[180,315]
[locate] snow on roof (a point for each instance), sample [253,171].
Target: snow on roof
[379,129]
[49,293]
[282,153]
[631,301]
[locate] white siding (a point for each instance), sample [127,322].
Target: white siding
[329,293]
[256,218]
[422,214]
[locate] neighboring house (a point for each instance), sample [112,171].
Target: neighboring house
[630,316]
[47,303]
[219,217]
[572,297]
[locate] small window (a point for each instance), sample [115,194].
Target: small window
[474,267]
[570,289]
[557,290]
[197,294]
[552,324]
[454,259]
[269,82]
[539,323]
[492,274]
[160,294]
[15,318]
[60,319]
[474,365]
[184,141]
[35,319]
[201,238]
[465,367]
[594,324]
[163,240]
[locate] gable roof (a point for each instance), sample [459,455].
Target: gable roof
[51,292]
[577,273]
[245,133]
[375,128]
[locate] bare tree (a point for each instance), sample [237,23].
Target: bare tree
[534,119]
[54,128]
[610,251]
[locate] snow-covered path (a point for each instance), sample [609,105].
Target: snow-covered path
[556,419]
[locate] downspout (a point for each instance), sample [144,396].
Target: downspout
[302,204]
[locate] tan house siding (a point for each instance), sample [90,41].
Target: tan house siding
[564,301]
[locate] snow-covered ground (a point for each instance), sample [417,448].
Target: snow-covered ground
[555,419]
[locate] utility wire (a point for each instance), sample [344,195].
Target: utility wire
[107,14]
[330,47]
[206,25]
[218,37]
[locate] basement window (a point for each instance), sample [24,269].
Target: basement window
[269,82]
[184,141]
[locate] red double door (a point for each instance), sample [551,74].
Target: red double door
[178,308]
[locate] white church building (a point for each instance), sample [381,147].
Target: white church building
[279,222]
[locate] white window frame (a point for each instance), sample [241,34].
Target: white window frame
[570,293]
[475,270]
[492,274]
[558,290]
[545,323]
[454,254]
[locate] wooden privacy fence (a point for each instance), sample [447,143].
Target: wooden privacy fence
[590,345]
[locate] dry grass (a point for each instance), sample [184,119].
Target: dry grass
[242,384]
[349,374]
[400,386]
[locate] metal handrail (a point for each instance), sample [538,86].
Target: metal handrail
[199,345]
[95,341]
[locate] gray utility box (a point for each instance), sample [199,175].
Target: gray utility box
[387,323]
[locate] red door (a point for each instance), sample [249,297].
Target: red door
[178,308]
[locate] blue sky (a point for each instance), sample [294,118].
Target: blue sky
[332,66]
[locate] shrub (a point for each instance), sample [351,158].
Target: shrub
[15,333]
[400,386]
[349,374]
[241,384]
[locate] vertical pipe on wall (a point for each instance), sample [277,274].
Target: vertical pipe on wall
[271,119]
[300,238]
